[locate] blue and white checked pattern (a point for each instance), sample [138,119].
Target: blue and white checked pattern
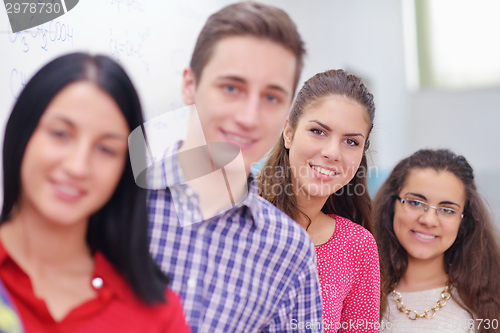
[250,269]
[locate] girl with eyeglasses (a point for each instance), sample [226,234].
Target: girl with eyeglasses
[438,248]
[316,174]
[74,252]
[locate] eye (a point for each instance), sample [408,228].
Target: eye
[414,203]
[59,134]
[230,89]
[272,99]
[447,211]
[317,131]
[352,142]
[106,150]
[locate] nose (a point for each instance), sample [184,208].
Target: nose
[332,150]
[248,116]
[429,218]
[77,160]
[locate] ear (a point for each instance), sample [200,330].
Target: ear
[188,86]
[287,134]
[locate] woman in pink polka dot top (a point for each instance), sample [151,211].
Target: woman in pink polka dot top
[316,174]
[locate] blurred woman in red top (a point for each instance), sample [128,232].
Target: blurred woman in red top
[73,230]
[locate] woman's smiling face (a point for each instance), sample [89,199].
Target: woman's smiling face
[76,155]
[425,235]
[327,146]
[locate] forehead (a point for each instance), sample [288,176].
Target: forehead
[339,112]
[435,185]
[257,60]
[85,104]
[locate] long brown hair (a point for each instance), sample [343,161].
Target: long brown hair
[274,180]
[473,260]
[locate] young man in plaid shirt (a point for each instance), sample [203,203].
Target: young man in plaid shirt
[239,264]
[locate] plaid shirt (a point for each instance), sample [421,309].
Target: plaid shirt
[249,269]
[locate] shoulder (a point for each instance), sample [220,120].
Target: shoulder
[356,237]
[277,221]
[286,236]
[353,232]
[165,317]
[172,306]
[127,305]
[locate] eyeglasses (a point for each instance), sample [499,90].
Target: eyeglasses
[446,214]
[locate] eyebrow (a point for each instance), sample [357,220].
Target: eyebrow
[329,129]
[242,80]
[424,198]
[105,136]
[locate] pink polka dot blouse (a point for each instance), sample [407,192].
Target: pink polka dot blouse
[349,276]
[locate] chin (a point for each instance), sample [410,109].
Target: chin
[63,218]
[423,256]
[318,195]
[322,191]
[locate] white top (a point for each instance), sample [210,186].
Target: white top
[450,318]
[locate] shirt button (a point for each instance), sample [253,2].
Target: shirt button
[97,283]
[189,191]
[191,282]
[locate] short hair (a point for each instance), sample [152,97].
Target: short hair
[120,228]
[248,19]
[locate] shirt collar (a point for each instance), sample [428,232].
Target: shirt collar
[166,170]
[113,284]
[253,202]
[171,174]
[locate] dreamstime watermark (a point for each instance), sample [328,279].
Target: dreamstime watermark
[27,14]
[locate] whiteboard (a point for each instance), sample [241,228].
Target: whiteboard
[153,40]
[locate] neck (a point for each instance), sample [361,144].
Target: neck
[33,241]
[195,136]
[223,179]
[311,206]
[423,274]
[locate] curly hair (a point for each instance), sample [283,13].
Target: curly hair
[473,260]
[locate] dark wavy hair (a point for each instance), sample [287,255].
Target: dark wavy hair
[344,203]
[120,228]
[473,260]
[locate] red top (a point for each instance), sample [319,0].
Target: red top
[115,309]
[349,276]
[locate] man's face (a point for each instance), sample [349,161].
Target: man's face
[244,94]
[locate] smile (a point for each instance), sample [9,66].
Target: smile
[424,235]
[67,192]
[68,189]
[324,171]
[239,138]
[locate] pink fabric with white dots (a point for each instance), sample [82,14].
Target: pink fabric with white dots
[349,276]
